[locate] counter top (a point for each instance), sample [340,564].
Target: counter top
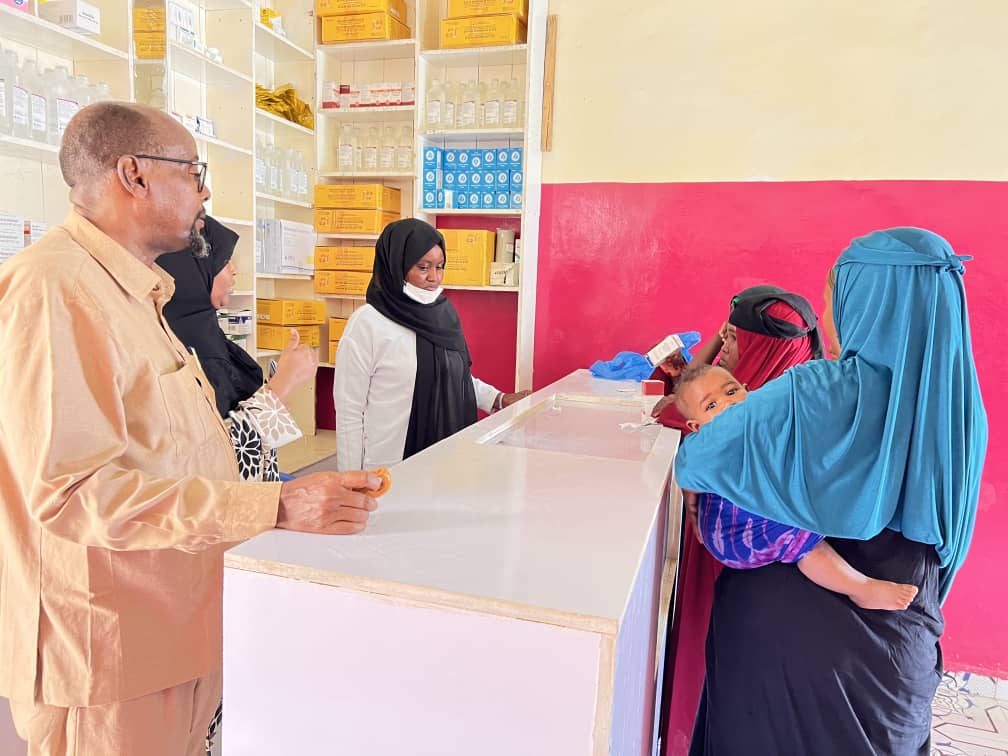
[541,512]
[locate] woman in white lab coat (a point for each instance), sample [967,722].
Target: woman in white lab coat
[402,380]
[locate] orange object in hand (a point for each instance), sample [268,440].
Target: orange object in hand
[386,483]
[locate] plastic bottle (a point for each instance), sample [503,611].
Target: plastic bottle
[274,186]
[38,102]
[85,93]
[492,108]
[20,105]
[345,151]
[451,111]
[63,104]
[8,72]
[371,148]
[435,106]
[404,152]
[260,165]
[102,92]
[482,88]
[512,115]
[358,147]
[387,157]
[469,111]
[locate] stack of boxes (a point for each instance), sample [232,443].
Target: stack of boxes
[484,23]
[284,246]
[481,179]
[343,270]
[276,317]
[149,32]
[336,328]
[362,20]
[469,256]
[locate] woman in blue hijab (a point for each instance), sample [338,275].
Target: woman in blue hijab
[881,451]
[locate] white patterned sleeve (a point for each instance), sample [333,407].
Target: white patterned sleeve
[268,416]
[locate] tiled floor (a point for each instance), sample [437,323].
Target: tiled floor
[970,717]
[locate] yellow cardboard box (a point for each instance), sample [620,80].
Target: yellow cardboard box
[290,311]
[467,8]
[353,221]
[344,258]
[277,336]
[347,282]
[348,7]
[358,197]
[482,31]
[149,19]
[336,328]
[363,27]
[149,45]
[333,346]
[470,255]
[266,16]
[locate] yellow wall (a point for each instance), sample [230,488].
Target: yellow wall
[790,90]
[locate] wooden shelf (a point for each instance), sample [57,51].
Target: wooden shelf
[27,29]
[243,293]
[266,116]
[501,213]
[352,297]
[285,276]
[28,149]
[233,221]
[261,353]
[219,5]
[513,289]
[282,200]
[398,49]
[193,65]
[215,142]
[473,57]
[354,237]
[326,365]
[271,45]
[391,176]
[369,115]
[470,135]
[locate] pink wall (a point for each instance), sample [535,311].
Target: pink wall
[621,265]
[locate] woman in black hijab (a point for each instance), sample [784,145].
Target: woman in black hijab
[402,380]
[258,419]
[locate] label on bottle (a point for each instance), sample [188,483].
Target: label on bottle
[434,113]
[371,159]
[274,179]
[260,172]
[449,115]
[65,110]
[345,158]
[38,112]
[493,113]
[404,158]
[19,106]
[386,161]
[510,113]
[468,116]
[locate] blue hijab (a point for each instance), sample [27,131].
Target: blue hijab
[892,435]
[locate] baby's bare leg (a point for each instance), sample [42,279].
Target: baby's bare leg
[824,567]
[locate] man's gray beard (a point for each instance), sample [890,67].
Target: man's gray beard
[198,244]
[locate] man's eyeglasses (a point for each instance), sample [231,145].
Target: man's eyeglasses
[200,177]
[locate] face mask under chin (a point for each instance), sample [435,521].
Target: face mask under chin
[423,296]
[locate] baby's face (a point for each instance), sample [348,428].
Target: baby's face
[709,395]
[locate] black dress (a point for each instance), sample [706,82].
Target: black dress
[794,669]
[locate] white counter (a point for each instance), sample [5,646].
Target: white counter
[503,600]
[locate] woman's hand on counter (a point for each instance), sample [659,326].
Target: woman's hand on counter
[689,499]
[661,404]
[326,502]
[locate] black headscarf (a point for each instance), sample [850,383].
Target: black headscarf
[749,311]
[234,375]
[444,400]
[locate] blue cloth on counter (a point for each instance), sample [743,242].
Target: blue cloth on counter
[625,366]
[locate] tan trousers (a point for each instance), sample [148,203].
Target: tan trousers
[172,722]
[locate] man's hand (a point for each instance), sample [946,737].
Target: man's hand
[689,500]
[325,502]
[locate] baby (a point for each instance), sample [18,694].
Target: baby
[743,540]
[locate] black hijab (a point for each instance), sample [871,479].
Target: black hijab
[234,375]
[444,400]
[749,311]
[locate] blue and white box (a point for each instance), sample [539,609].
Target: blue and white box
[462,200]
[440,198]
[450,160]
[475,200]
[503,157]
[515,158]
[430,198]
[462,180]
[462,157]
[502,200]
[487,200]
[431,157]
[489,181]
[475,180]
[431,178]
[502,179]
[450,180]
[516,200]
[475,160]
[517,180]
[489,158]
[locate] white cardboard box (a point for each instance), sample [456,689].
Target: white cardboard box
[75,15]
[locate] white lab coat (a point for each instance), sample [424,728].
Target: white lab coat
[373,391]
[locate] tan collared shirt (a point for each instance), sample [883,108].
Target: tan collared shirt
[118,481]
